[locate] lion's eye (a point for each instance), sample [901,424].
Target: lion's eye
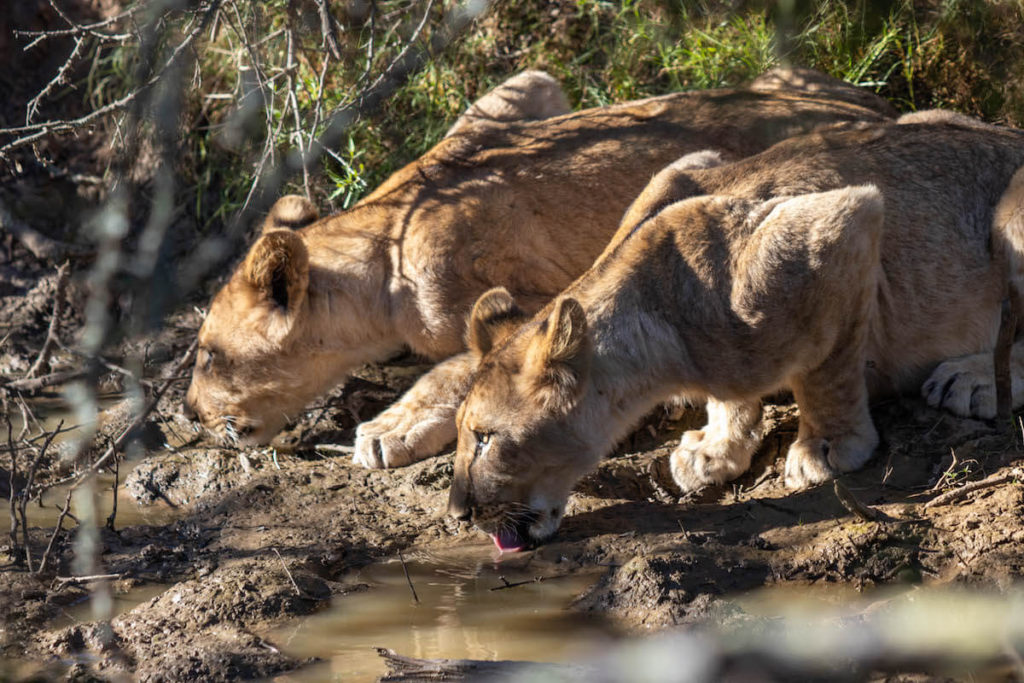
[483,440]
[205,359]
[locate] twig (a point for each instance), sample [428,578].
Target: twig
[536,579]
[332,448]
[140,418]
[988,482]
[298,591]
[854,506]
[29,479]
[72,580]
[408,579]
[113,508]
[32,132]
[328,27]
[11,480]
[60,79]
[36,384]
[53,537]
[43,360]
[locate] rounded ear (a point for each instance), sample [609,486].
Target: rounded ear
[559,357]
[277,267]
[290,212]
[495,315]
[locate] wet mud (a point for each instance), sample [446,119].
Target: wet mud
[252,542]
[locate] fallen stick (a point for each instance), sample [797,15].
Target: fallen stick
[536,579]
[854,506]
[962,492]
[34,384]
[408,578]
[410,669]
[74,580]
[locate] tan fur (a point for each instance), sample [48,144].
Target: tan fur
[523,205]
[529,96]
[831,264]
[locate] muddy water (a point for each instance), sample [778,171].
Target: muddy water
[458,615]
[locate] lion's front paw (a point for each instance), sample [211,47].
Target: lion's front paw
[379,445]
[401,436]
[699,461]
[963,386]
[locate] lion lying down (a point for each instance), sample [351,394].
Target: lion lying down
[840,263]
[523,204]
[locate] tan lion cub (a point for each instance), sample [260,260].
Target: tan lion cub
[857,257]
[523,204]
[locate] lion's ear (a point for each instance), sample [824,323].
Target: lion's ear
[290,212]
[277,267]
[558,358]
[495,315]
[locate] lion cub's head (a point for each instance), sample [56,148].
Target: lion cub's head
[248,373]
[506,480]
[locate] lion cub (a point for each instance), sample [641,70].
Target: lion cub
[523,204]
[850,260]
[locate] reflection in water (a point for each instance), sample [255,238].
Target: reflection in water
[458,615]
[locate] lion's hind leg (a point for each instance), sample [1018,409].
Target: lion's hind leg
[527,96]
[836,432]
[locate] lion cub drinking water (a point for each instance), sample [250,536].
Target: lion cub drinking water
[840,262]
[523,204]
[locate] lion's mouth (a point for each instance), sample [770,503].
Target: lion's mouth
[513,535]
[509,540]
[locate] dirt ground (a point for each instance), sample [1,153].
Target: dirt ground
[242,516]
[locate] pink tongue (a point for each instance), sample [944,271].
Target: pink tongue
[507,541]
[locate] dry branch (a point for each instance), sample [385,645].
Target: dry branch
[60,298]
[948,497]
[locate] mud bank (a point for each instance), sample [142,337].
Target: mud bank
[262,538]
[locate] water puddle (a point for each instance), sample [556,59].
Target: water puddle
[459,615]
[82,612]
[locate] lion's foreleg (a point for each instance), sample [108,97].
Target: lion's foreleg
[722,450]
[421,423]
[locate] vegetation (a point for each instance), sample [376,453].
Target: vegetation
[267,78]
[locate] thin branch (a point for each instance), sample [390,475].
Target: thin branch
[948,497]
[36,131]
[37,384]
[60,79]
[408,579]
[43,360]
[121,440]
[56,531]
[329,29]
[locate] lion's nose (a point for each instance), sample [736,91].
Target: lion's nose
[460,511]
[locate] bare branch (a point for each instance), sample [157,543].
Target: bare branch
[329,28]
[31,133]
[60,79]
[43,360]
